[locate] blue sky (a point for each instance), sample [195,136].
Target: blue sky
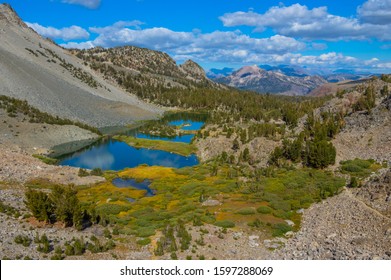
[352,34]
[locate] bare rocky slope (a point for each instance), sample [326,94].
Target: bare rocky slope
[42,138]
[365,135]
[355,224]
[333,88]
[144,72]
[51,79]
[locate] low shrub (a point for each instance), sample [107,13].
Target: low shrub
[264,210]
[23,240]
[280,205]
[280,229]
[145,232]
[281,214]
[47,160]
[359,167]
[144,242]
[83,172]
[111,209]
[225,224]
[96,172]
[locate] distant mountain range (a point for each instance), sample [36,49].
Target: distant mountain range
[219,73]
[275,82]
[281,79]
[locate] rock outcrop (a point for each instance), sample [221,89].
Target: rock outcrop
[193,70]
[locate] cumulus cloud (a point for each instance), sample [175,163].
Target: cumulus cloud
[375,12]
[385,66]
[116,26]
[158,38]
[236,40]
[230,47]
[300,21]
[91,4]
[223,47]
[81,45]
[331,59]
[67,33]
[188,43]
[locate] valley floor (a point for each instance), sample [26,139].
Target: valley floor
[355,224]
[341,227]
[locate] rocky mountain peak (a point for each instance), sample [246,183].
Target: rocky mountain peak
[249,71]
[9,16]
[193,69]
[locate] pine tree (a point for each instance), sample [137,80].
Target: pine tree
[246,155]
[235,145]
[66,204]
[320,154]
[39,204]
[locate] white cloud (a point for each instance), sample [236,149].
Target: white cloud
[187,43]
[375,12]
[386,66]
[67,33]
[116,26]
[91,4]
[228,47]
[158,38]
[82,45]
[331,59]
[299,21]
[291,16]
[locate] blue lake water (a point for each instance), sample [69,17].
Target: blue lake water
[126,183]
[187,125]
[116,155]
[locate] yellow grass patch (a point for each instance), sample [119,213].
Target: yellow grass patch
[150,172]
[106,192]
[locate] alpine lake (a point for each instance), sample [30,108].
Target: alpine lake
[113,154]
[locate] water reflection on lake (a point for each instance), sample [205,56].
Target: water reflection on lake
[116,155]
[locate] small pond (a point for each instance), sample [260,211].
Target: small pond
[187,125]
[126,183]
